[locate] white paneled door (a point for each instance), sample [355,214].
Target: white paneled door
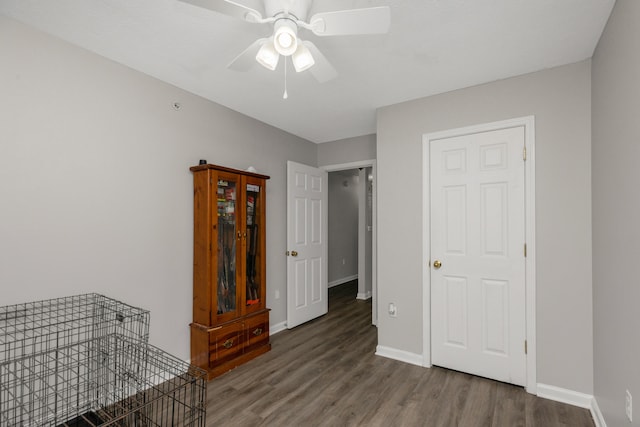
[307,288]
[478,254]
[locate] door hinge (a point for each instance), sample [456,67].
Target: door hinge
[524,153]
[525,346]
[525,250]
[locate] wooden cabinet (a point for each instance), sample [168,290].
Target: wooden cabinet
[230,320]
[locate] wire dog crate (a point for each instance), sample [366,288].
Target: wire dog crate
[85,361]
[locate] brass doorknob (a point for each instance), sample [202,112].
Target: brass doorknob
[437,264]
[294,253]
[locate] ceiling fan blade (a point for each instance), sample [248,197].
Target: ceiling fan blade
[322,70]
[373,20]
[252,13]
[247,59]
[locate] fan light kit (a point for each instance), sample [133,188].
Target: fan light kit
[268,56]
[285,37]
[287,18]
[302,58]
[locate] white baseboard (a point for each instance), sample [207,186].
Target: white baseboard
[563,395]
[598,419]
[401,355]
[364,296]
[341,281]
[574,398]
[278,327]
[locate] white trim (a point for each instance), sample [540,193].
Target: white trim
[598,419]
[530,260]
[558,394]
[343,280]
[401,355]
[278,327]
[530,272]
[426,253]
[374,233]
[347,166]
[364,296]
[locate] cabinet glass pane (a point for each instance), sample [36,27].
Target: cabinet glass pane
[226,246]
[254,256]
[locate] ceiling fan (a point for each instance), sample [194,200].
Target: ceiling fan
[288,17]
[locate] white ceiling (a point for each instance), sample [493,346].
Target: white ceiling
[433,46]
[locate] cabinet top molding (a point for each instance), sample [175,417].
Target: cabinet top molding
[226,169]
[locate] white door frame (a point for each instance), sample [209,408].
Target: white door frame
[530,263]
[374,238]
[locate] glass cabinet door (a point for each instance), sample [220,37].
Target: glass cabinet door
[255,230]
[227,227]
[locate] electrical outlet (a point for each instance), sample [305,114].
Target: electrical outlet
[344,261]
[393,310]
[628,405]
[277,294]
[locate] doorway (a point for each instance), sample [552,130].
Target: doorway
[352,253]
[471,314]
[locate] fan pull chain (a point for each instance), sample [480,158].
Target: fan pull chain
[285,95]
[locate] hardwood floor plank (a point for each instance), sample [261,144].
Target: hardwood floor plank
[480,404]
[510,406]
[325,373]
[451,400]
[422,405]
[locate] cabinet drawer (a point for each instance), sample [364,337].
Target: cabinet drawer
[257,331]
[226,343]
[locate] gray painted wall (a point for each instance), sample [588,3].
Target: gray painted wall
[616,209]
[343,225]
[95,187]
[347,150]
[560,100]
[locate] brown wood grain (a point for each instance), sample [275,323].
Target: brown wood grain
[226,169]
[221,341]
[202,236]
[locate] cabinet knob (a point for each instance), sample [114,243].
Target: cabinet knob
[228,343]
[257,331]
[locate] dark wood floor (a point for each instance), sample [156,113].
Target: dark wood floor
[325,373]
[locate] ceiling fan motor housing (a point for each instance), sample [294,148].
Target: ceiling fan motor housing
[297,8]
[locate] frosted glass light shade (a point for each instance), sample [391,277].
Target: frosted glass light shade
[285,38]
[268,56]
[302,58]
